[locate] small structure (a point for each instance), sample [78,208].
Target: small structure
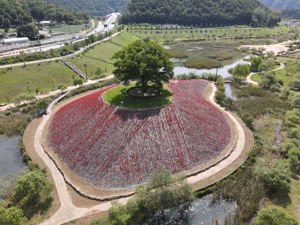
[11,41]
[45,23]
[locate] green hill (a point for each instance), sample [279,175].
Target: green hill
[282,4]
[18,12]
[93,7]
[199,12]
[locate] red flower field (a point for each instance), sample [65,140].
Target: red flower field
[116,148]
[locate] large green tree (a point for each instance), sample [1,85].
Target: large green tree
[241,71]
[144,62]
[29,31]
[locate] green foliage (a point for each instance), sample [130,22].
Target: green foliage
[267,64]
[248,119]
[32,192]
[78,81]
[277,176]
[270,82]
[241,71]
[26,11]
[29,31]
[144,62]
[12,216]
[195,12]
[273,215]
[94,8]
[161,192]
[294,99]
[255,62]
[202,63]
[13,124]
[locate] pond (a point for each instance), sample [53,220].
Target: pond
[201,211]
[11,162]
[206,50]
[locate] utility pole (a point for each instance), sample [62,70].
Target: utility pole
[85,71]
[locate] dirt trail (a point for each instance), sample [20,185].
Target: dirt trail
[68,211]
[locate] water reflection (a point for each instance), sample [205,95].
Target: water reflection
[180,70]
[201,211]
[11,162]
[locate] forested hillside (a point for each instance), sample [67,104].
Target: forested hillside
[282,4]
[93,7]
[18,12]
[199,12]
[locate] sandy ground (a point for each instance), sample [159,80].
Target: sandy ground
[275,48]
[69,211]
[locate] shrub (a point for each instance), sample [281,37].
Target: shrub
[78,81]
[278,177]
[248,119]
[32,192]
[241,71]
[255,62]
[12,216]
[273,215]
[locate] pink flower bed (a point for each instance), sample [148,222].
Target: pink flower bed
[117,148]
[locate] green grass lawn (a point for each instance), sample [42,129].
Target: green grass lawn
[100,55]
[256,78]
[117,95]
[163,34]
[26,80]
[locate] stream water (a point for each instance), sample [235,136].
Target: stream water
[200,211]
[11,162]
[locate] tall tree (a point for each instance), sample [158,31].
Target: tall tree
[144,62]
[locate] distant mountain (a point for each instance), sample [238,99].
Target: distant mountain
[20,12]
[199,12]
[282,4]
[93,7]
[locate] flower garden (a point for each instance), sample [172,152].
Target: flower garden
[116,148]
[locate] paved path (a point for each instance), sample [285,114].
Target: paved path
[68,211]
[249,81]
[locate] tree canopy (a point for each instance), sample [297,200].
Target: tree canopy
[144,62]
[94,8]
[20,12]
[162,191]
[199,12]
[241,71]
[29,31]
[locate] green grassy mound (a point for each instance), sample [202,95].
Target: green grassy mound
[202,63]
[118,97]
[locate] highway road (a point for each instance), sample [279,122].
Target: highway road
[43,48]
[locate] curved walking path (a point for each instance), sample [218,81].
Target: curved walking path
[249,81]
[68,211]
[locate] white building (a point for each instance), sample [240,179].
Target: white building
[11,41]
[45,23]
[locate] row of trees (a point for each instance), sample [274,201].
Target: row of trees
[14,13]
[193,12]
